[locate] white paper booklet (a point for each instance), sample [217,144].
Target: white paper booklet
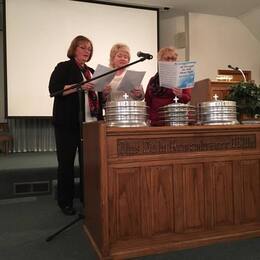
[130,80]
[101,82]
[177,74]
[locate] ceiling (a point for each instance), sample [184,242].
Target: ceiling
[248,11]
[233,8]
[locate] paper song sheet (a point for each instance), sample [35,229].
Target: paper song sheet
[131,80]
[101,82]
[177,74]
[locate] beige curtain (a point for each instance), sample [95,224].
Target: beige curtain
[32,135]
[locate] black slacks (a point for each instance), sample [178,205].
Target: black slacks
[67,144]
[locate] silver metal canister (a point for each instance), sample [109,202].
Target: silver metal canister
[126,113]
[177,114]
[218,112]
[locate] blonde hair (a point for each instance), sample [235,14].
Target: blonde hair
[115,49]
[167,52]
[75,43]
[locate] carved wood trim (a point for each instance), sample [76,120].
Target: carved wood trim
[152,146]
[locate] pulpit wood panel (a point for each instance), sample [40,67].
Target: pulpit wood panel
[193,197]
[132,212]
[125,203]
[147,200]
[222,175]
[247,191]
[92,164]
[189,198]
[162,199]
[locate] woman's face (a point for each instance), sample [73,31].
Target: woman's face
[83,52]
[121,58]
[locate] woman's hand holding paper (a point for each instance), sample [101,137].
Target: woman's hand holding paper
[106,90]
[177,91]
[88,86]
[137,92]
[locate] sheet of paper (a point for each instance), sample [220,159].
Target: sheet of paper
[177,74]
[101,82]
[131,80]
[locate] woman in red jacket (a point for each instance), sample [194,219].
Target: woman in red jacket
[157,96]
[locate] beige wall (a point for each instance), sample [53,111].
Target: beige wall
[173,32]
[213,41]
[252,21]
[216,41]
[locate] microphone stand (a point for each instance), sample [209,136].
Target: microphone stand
[240,70]
[78,85]
[81,120]
[243,74]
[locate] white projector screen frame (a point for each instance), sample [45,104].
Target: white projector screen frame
[38,34]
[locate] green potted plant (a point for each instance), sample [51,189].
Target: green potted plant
[247,97]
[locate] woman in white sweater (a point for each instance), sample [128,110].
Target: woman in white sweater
[120,56]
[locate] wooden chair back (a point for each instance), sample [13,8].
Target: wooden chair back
[6,138]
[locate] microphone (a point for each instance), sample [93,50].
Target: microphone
[233,68]
[240,70]
[147,56]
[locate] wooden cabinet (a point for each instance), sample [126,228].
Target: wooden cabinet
[157,189]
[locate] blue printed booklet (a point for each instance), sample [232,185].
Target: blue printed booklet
[177,74]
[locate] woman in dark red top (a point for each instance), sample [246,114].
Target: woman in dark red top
[157,96]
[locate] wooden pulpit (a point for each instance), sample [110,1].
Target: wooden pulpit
[205,89]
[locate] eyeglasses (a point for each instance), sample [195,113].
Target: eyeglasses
[169,58]
[82,47]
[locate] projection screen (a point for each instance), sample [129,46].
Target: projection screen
[38,34]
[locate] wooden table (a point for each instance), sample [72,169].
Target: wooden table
[157,189]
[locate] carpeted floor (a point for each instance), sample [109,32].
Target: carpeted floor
[25,223]
[28,160]
[28,174]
